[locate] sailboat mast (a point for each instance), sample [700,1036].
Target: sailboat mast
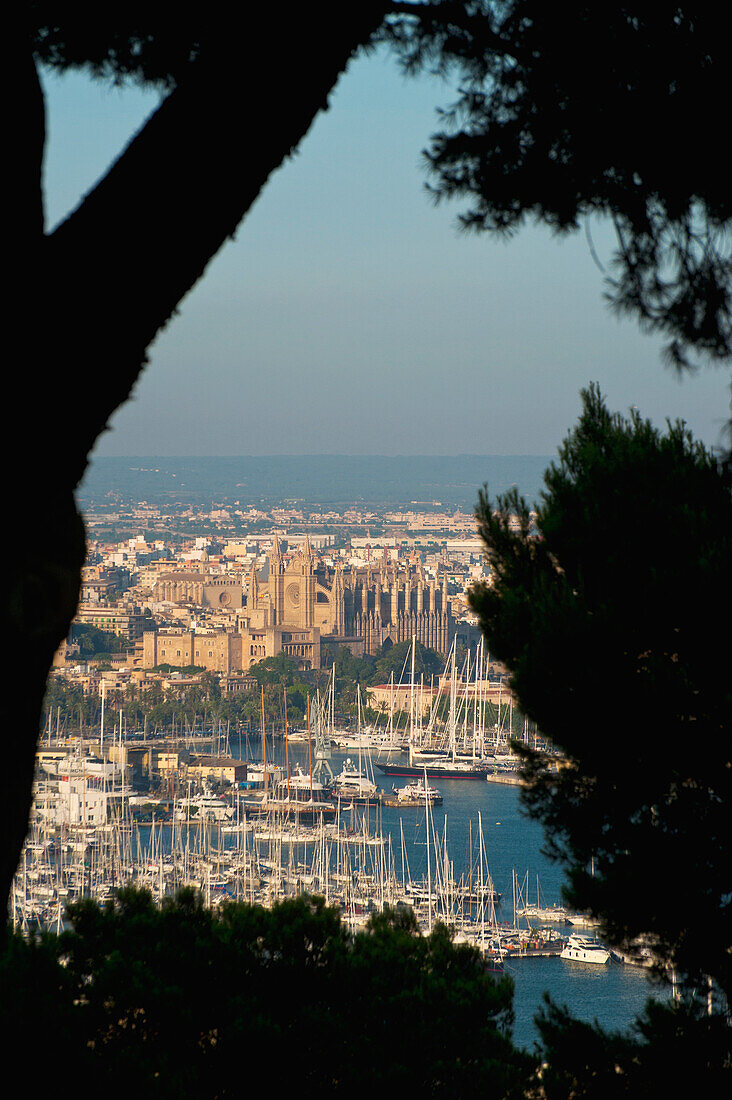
[287,750]
[391,708]
[453,699]
[310,752]
[411,702]
[101,724]
[429,868]
[264,747]
[480,882]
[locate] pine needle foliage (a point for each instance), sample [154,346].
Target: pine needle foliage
[612,614]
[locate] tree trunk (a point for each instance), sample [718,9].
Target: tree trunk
[105,283]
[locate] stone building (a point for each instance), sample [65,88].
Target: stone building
[201,589]
[363,606]
[297,604]
[217,652]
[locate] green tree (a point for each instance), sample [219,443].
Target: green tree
[275,670]
[92,641]
[397,659]
[606,623]
[169,998]
[671,1050]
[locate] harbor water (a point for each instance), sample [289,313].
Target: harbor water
[475,855]
[613,994]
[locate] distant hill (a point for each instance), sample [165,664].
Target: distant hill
[451,480]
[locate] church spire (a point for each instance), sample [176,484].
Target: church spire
[253,592]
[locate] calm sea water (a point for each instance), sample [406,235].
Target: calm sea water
[453,480]
[613,994]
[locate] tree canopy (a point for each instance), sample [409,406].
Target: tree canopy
[92,641]
[605,108]
[182,999]
[613,624]
[671,1050]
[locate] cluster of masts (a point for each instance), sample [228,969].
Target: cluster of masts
[73,850]
[423,725]
[84,842]
[297,834]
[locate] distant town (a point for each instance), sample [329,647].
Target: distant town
[225,662]
[185,588]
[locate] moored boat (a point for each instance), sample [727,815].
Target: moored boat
[299,797]
[415,794]
[582,949]
[434,767]
[352,786]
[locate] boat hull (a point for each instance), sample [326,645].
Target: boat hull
[585,951]
[434,771]
[306,812]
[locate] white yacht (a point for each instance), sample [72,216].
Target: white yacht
[203,807]
[418,793]
[582,949]
[256,774]
[353,785]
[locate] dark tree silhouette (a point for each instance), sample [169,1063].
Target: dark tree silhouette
[605,616]
[671,1050]
[561,113]
[182,1000]
[604,108]
[110,277]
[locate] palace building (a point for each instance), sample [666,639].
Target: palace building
[202,589]
[296,604]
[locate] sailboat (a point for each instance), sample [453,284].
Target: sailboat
[445,766]
[436,767]
[352,785]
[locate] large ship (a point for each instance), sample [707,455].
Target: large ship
[434,767]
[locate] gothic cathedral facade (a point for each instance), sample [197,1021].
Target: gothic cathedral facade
[360,606]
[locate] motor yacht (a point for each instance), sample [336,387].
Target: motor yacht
[582,949]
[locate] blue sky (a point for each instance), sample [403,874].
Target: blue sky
[350,316]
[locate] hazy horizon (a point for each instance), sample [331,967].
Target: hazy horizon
[454,480]
[350,316]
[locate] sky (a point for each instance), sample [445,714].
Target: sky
[351,316]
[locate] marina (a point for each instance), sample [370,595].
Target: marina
[260,816]
[455,857]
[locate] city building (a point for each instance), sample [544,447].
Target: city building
[296,603]
[363,606]
[115,620]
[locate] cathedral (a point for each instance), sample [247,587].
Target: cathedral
[298,603]
[362,607]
